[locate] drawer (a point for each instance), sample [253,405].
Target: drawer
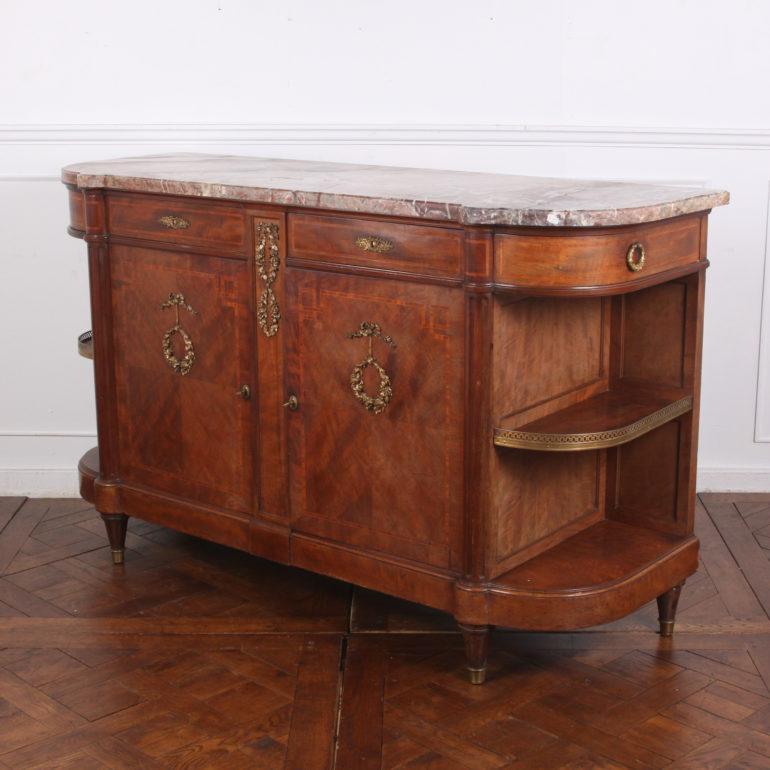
[189,222]
[418,249]
[77,206]
[594,257]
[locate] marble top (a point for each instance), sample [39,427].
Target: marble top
[455,196]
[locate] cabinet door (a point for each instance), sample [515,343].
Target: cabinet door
[385,478]
[183,426]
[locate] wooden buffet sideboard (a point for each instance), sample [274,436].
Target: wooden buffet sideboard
[477,392]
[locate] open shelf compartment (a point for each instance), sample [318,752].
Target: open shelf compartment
[597,556]
[605,420]
[592,577]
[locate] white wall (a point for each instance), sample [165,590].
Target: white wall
[662,90]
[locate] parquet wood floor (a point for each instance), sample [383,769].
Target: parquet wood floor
[196,656]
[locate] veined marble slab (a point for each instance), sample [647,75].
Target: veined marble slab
[455,196]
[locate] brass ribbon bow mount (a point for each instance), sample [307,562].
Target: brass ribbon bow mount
[375,404]
[184,365]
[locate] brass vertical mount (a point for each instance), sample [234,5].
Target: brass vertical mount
[268,262]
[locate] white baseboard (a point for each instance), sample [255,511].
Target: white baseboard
[733,479]
[63,482]
[39,482]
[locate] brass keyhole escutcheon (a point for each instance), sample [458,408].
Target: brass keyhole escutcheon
[635,257]
[375,404]
[292,404]
[244,392]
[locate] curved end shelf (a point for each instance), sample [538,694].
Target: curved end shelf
[88,471]
[609,419]
[596,576]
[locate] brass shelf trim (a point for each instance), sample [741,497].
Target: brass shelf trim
[575,442]
[86,344]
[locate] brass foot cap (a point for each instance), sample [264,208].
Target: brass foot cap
[666,627]
[477,675]
[117,557]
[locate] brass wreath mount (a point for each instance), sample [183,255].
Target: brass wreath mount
[183,365]
[375,404]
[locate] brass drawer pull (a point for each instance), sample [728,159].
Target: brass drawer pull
[374,243]
[635,257]
[244,392]
[173,222]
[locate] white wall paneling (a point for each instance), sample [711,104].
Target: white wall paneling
[762,426]
[553,88]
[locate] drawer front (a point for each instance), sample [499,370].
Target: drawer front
[173,220]
[591,258]
[77,206]
[418,249]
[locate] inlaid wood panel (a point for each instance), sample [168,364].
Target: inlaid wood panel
[538,495]
[392,481]
[654,334]
[646,475]
[188,435]
[561,345]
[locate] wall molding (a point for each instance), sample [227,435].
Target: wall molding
[39,482]
[383,134]
[49,433]
[733,479]
[762,403]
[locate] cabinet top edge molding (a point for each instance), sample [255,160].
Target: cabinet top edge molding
[463,197]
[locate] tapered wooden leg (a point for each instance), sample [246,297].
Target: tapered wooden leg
[476,640]
[116,532]
[667,604]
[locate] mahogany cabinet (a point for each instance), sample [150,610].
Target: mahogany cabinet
[432,384]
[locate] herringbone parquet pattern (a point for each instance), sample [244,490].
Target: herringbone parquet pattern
[197,656]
